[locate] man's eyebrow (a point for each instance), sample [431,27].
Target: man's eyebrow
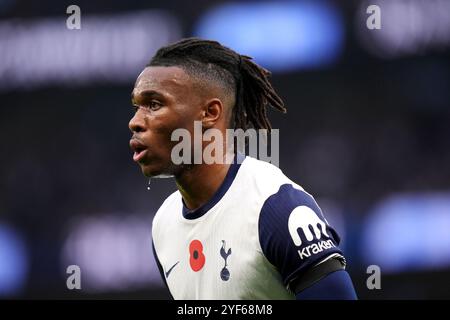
[146,94]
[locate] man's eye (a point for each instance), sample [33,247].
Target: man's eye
[153,105]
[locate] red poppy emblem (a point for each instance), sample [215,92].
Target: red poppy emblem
[196,256]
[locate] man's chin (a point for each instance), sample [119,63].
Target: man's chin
[153,172]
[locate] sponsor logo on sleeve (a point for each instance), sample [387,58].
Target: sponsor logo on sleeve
[313,228]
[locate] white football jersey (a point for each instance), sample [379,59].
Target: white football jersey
[259,232]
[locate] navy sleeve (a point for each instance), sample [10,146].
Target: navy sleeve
[335,286]
[294,234]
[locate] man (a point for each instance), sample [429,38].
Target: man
[231,231]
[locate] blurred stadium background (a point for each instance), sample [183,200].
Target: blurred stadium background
[367,132]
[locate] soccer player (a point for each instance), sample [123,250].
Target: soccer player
[231,231]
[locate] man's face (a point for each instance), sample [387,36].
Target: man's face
[165,100]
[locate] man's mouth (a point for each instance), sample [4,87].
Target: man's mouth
[140,150]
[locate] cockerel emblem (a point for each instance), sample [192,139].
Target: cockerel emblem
[225,273]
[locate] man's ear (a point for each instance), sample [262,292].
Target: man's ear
[213,110]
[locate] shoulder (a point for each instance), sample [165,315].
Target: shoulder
[292,230]
[289,209]
[264,178]
[259,166]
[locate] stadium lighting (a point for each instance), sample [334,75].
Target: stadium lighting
[409,232]
[407,27]
[281,36]
[108,48]
[122,250]
[13,261]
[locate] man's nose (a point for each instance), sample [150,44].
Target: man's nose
[137,123]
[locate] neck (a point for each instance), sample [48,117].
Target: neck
[199,183]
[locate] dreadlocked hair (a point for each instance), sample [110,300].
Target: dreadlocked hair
[237,73]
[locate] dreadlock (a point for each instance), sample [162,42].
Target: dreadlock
[237,73]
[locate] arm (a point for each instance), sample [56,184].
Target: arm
[327,280]
[297,240]
[335,286]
